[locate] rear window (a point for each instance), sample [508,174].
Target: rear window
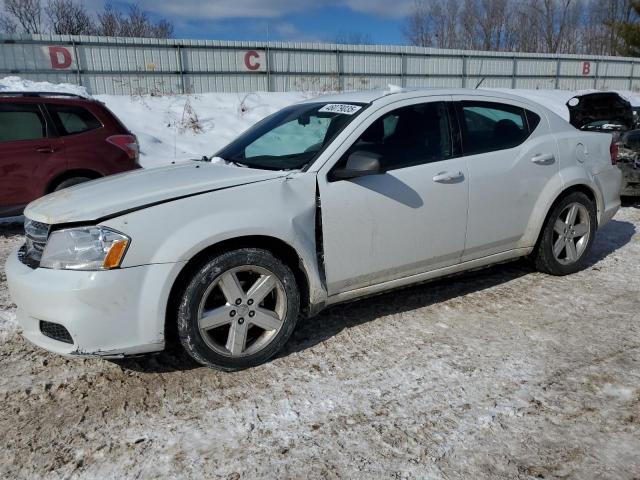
[21,122]
[490,126]
[71,119]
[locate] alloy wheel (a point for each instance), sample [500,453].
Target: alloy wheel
[242,311]
[571,233]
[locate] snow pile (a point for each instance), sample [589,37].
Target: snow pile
[391,88]
[7,321]
[17,84]
[181,127]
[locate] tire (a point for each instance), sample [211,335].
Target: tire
[238,309]
[554,254]
[70,182]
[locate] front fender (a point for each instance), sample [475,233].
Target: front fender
[283,209]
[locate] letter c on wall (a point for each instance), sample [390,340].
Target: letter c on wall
[249,61]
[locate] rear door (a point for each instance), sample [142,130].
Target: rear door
[511,156]
[30,153]
[84,136]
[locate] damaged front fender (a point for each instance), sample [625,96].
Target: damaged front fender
[282,208]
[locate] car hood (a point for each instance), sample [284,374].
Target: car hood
[126,192]
[600,106]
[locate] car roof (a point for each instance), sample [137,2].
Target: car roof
[397,93]
[43,96]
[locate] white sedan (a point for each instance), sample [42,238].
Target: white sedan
[325,201]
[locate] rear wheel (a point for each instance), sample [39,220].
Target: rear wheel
[70,182]
[238,309]
[567,235]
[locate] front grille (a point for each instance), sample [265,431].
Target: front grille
[31,252]
[55,331]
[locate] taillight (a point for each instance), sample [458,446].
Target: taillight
[614,153]
[128,143]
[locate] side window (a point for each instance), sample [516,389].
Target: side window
[21,122]
[533,119]
[71,119]
[408,136]
[489,126]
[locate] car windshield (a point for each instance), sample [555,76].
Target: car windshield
[291,138]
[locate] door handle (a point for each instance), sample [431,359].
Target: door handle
[45,150]
[448,177]
[543,158]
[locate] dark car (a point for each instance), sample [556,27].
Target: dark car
[608,112]
[49,141]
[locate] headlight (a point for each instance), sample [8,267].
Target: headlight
[85,248]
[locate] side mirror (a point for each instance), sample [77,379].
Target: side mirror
[359,164]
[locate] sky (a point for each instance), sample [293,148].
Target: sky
[284,20]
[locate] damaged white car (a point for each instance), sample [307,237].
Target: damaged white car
[325,201]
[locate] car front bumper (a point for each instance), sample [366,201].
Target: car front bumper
[107,313]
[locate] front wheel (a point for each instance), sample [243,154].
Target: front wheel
[238,309]
[567,235]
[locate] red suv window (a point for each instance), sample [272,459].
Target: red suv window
[21,122]
[71,119]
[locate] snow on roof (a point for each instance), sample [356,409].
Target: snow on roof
[17,84]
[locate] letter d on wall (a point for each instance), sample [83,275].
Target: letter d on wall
[61,58]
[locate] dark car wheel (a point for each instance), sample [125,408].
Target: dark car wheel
[70,182]
[567,235]
[238,309]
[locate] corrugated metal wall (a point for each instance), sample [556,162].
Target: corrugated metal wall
[140,66]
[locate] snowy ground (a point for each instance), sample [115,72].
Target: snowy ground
[503,373]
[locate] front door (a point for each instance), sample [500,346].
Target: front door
[408,220]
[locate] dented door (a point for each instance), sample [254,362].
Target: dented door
[408,220]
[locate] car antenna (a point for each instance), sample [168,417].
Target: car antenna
[480,82]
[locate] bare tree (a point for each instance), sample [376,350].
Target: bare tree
[550,26]
[136,23]
[162,29]
[445,29]
[599,33]
[26,13]
[418,28]
[434,24]
[555,20]
[7,25]
[69,18]
[109,21]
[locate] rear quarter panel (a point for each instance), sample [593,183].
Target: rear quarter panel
[583,158]
[586,160]
[90,150]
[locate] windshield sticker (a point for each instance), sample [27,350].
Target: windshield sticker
[343,108]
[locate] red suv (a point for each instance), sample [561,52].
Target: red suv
[50,141]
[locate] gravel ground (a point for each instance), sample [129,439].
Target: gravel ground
[502,373]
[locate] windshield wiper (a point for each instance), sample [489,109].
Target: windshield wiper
[232,162]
